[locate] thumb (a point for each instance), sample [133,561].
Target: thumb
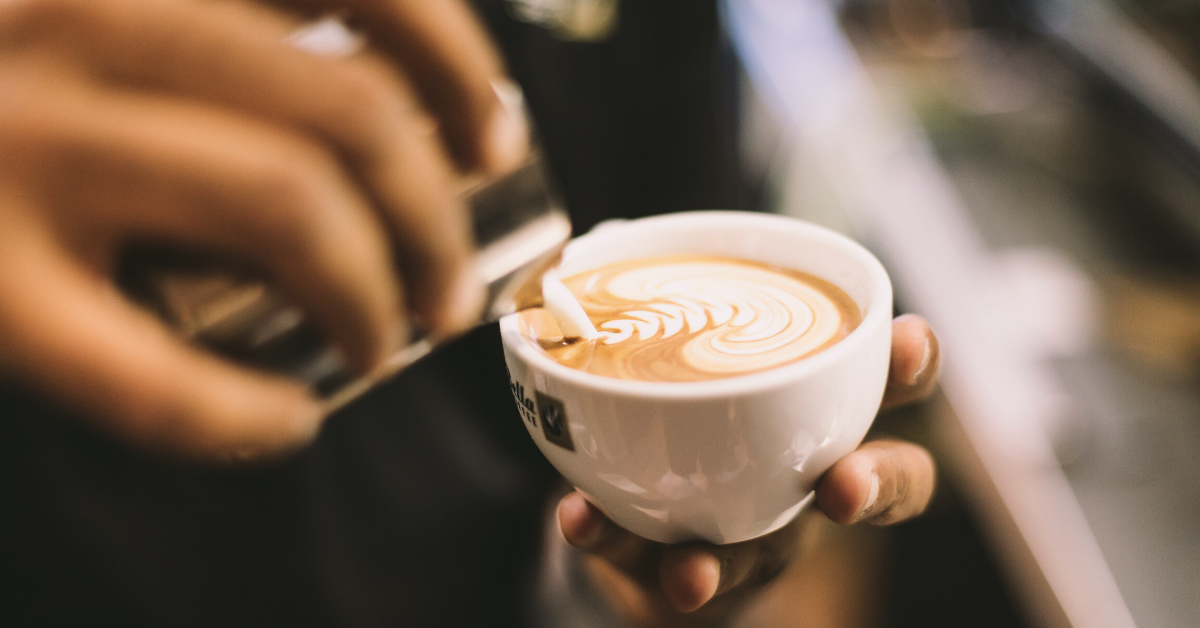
[72,336]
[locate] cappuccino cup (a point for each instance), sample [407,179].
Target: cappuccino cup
[725,459]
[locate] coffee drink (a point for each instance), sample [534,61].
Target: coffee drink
[716,392]
[692,318]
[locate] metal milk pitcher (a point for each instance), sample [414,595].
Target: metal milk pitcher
[520,228]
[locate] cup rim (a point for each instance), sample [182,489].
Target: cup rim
[880,292]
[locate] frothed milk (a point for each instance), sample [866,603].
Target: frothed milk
[693,318]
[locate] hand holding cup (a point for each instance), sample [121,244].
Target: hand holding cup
[882,482]
[691,490]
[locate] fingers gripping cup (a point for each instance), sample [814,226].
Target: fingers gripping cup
[719,452]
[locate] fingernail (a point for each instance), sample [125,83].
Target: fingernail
[926,358]
[589,527]
[328,37]
[691,581]
[507,135]
[712,581]
[872,497]
[464,303]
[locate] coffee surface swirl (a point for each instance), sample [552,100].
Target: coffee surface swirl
[692,318]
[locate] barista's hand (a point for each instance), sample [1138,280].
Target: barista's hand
[883,482]
[193,123]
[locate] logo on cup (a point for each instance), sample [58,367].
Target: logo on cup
[524,403]
[554,421]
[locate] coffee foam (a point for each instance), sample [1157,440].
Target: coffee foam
[689,318]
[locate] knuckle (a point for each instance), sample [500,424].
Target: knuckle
[310,211]
[30,127]
[287,195]
[376,113]
[25,19]
[368,93]
[290,181]
[284,183]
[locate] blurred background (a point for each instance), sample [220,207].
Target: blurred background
[1029,171]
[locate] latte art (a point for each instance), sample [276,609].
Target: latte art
[688,318]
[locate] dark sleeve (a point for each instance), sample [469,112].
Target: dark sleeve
[422,504]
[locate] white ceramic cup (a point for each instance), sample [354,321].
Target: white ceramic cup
[723,460]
